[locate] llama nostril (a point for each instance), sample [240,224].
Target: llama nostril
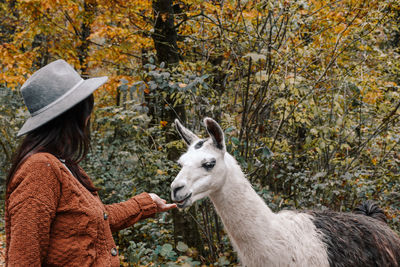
[176,189]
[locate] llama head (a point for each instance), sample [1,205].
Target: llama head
[203,167]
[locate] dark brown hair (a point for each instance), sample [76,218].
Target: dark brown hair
[67,137]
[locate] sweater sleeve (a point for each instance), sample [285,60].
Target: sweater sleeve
[125,214]
[32,205]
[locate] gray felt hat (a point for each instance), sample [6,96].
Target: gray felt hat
[52,90]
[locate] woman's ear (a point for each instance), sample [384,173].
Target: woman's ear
[87,120]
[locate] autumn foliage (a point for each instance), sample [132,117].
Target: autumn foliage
[307,92]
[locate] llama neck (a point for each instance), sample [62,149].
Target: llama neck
[240,208]
[261,237]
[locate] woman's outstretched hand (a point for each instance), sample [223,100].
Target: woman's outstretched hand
[161,203]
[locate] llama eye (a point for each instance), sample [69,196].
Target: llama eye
[208,165]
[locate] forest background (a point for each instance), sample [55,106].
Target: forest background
[306,91]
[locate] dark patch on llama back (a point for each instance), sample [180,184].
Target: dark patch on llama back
[357,240]
[371,209]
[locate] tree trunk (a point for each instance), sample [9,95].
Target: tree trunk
[83,49]
[165,42]
[165,35]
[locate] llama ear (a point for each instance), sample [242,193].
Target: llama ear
[186,134]
[216,133]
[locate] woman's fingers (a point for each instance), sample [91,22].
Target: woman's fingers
[161,203]
[166,207]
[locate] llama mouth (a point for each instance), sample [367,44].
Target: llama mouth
[181,204]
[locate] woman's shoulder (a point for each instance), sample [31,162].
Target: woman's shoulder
[39,161]
[38,169]
[42,156]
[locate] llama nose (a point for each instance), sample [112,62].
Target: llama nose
[176,189]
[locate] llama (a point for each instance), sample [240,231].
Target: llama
[288,238]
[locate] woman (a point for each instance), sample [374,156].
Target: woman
[54,216]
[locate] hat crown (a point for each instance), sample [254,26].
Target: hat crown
[49,84]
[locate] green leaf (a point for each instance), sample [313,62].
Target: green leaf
[166,250]
[182,247]
[229,129]
[235,140]
[223,261]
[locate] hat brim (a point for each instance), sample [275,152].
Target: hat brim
[80,93]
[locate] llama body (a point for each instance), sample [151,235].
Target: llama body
[284,233]
[264,238]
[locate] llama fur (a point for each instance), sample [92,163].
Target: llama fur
[285,233]
[288,238]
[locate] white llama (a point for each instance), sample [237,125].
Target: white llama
[288,238]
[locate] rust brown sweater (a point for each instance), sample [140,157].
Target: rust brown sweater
[52,220]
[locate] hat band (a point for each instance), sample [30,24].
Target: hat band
[58,99]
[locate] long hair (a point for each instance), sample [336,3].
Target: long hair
[67,137]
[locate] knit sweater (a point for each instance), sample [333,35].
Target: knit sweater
[53,220]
